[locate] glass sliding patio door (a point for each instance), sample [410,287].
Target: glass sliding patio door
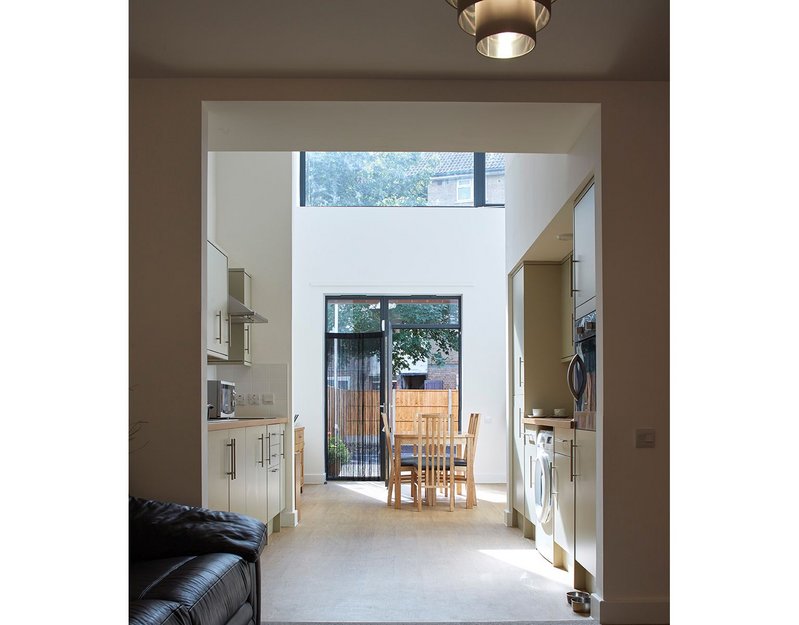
[398,354]
[354,390]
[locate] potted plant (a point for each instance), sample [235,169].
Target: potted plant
[337,454]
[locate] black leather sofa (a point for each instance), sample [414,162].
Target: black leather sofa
[193,566]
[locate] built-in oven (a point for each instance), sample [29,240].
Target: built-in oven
[221,399]
[581,375]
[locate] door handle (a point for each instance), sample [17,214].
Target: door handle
[575,365]
[263,455]
[219,338]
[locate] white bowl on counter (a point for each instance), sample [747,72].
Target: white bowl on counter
[539,412]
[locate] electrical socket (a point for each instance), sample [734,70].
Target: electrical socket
[267,399]
[252,399]
[240,398]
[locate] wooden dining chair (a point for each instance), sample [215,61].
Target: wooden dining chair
[464,465]
[407,471]
[435,462]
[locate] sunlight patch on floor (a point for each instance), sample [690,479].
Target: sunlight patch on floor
[528,560]
[492,495]
[373,490]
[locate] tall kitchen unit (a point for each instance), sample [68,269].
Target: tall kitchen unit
[537,375]
[582,382]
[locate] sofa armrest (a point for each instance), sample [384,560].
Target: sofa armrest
[159,529]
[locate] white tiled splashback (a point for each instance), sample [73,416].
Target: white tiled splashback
[271,380]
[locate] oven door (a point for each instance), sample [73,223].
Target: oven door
[581,378]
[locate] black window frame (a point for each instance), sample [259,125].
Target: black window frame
[479,183]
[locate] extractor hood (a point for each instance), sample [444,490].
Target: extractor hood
[239,313]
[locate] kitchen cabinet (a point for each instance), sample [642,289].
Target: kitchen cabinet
[566,310]
[585,254]
[517,325]
[240,287]
[217,335]
[276,492]
[299,467]
[536,346]
[585,499]
[529,472]
[226,470]
[564,490]
[517,453]
[256,472]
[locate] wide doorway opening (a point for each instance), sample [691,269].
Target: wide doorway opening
[394,354]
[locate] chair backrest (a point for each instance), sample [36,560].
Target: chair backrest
[474,429]
[389,438]
[436,437]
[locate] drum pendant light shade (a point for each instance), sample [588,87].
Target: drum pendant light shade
[504,29]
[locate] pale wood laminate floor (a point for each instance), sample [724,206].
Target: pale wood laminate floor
[354,559]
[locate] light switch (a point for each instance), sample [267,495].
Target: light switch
[645,438]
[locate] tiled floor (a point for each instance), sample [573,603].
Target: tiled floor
[354,559]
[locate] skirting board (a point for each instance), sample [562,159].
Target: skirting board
[315,478]
[631,612]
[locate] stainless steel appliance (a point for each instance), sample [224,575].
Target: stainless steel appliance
[581,375]
[221,399]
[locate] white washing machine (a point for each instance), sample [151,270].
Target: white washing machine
[544,514]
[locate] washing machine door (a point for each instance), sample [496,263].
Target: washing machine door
[543,487]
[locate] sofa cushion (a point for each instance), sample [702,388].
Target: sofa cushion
[156,612]
[210,587]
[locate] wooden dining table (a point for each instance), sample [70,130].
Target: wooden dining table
[462,440]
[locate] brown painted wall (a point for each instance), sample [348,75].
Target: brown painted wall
[167,277]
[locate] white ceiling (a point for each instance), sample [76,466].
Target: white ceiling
[413,39]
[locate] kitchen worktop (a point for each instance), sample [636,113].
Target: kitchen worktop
[243,422]
[553,422]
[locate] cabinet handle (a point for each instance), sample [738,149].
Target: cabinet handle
[263,455]
[282,446]
[521,371]
[228,331]
[235,460]
[219,337]
[573,462]
[232,445]
[553,480]
[521,433]
[247,337]
[531,472]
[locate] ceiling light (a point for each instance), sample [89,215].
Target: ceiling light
[503,29]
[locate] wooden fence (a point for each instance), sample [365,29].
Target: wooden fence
[358,412]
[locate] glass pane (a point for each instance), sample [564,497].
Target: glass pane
[441,311]
[353,407]
[388,178]
[495,178]
[353,315]
[424,366]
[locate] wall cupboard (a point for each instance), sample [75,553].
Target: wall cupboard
[585,254]
[217,327]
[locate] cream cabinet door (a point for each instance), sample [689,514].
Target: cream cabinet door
[226,470]
[217,318]
[564,489]
[255,460]
[585,254]
[517,329]
[566,310]
[219,465]
[529,473]
[585,499]
[517,453]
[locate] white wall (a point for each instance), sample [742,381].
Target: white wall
[250,194]
[537,186]
[404,251]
